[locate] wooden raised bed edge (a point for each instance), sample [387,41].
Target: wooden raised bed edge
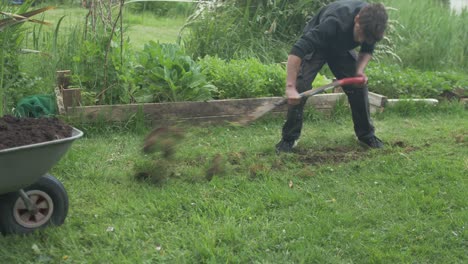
[214,111]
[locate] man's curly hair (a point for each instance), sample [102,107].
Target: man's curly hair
[373,22]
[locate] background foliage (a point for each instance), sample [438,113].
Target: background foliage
[247,28]
[423,55]
[165,73]
[430,35]
[413,83]
[247,78]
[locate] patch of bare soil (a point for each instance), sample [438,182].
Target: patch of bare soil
[15,132]
[406,147]
[461,138]
[338,154]
[344,154]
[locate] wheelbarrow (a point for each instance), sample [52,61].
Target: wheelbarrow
[31,198]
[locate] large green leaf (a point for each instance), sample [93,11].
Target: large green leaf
[168,74]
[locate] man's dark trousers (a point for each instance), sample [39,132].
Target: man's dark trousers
[343,65]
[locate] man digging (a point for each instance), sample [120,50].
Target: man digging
[330,37]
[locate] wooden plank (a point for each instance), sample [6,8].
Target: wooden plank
[325,101]
[59,99]
[377,99]
[71,97]
[195,109]
[173,110]
[214,110]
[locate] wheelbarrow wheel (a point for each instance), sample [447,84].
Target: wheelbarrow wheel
[50,199]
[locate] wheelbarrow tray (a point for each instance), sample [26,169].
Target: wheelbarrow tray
[24,165]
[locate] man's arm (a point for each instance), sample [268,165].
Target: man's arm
[292,70]
[363,60]
[317,37]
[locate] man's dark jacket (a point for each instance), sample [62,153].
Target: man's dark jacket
[331,30]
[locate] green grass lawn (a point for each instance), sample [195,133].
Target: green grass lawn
[140,28]
[330,202]
[146,27]
[162,31]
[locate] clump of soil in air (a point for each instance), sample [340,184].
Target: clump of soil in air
[163,139]
[158,163]
[216,167]
[15,132]
[159,148]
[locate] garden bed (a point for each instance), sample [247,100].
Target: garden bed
[214,111]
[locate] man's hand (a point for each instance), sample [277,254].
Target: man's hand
[361,74]
[293,96]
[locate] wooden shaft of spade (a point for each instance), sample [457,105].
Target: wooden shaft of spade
[263,109]
[342,82]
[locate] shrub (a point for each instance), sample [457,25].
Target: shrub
[395,82]
[244,78]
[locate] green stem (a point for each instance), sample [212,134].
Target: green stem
[2,67]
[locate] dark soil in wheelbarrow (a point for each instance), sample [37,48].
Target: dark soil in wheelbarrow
[15,132]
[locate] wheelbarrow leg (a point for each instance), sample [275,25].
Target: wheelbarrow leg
[32,208]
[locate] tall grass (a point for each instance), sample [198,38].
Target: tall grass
[243,29]
[12,32]
[58,44]
[432,36]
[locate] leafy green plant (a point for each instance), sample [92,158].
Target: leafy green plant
[102,61]
[244,78]
[397,82]
[166,73]
[321,80]
[88,63]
